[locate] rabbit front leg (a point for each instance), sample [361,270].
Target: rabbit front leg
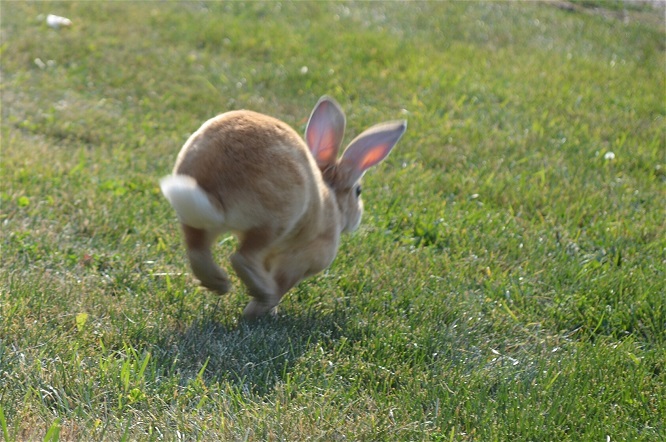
[260,307]
[290,268]
[211,276]
[248,262]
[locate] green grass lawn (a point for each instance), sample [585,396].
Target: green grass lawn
[508,280]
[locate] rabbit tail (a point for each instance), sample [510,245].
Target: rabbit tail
[193,205]
[201,222]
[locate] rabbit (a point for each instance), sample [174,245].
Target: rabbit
[286,199]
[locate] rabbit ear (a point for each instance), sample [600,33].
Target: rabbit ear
[325,130]
[369,148]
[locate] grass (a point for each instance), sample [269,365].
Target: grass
[508,281]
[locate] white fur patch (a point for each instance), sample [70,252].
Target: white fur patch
[191,202]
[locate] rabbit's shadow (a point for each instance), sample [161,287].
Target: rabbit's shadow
[253,356]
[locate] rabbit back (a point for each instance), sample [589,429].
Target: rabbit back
[255,169]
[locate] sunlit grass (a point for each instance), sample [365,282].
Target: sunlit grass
[507,282]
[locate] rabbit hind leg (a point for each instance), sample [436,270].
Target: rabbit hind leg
[211,276]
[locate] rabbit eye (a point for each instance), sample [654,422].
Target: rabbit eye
[358,191]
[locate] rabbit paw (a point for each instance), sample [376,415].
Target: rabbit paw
[219,285]
[256,309]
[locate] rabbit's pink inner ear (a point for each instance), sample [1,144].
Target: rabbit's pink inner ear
[355,162]
[325,130]
[370,147]
[323,147]
[374,155]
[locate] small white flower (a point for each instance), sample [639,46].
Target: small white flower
[609,156]
[304,70]
[55,21]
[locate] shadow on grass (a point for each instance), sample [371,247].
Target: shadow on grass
[253,356]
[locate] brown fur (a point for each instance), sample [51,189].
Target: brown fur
[259,173]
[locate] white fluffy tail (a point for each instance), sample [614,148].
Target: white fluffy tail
[191,202]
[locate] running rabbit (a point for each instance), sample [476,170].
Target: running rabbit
[287,200]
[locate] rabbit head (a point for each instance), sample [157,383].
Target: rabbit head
[324,134]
